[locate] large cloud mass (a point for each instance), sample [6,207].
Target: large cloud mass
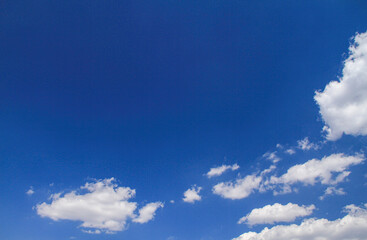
[353,226]
[343,103]
[102,207]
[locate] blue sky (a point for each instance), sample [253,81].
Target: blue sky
[116,117]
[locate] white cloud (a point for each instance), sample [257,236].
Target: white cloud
[353,226]
[95,231]
[332,191]
[330,170]
[192,194]
[306,145]
[271,214]
[322,171]
[30,191]
[217,171]
[290,151]
[268,170]
[147,212]
[272,156]
[343,103]
[101,206]
[242,188]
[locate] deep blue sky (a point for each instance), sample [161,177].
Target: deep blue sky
[154,93]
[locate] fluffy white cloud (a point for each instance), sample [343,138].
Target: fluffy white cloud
[332,191]
[242,188]
[217,171]
[192,194]
[147,212]
[306,145]
[272,156]
[322,171]
[353,226]
[271,214]
[100,206]
[343,103]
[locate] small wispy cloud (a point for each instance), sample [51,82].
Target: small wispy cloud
[272,156]
[217,171]
[30,191]
[306,145]
[290,151]
[332,191]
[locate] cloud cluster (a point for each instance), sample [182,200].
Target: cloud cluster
[191,195]
[101,206]
[217,171]
[271,214]
[343,103]
[351,226]
[332,191]
[272,156]
[306,145]
[330,170]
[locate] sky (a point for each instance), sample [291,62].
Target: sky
[183,120]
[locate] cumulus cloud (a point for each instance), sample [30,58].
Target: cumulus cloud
[306,145]
[329,170]
[191,195]
[147,212]
[217,171]
[101,206]
[352,226]
[271,214]
[332,191]
[242,188]
[343,103]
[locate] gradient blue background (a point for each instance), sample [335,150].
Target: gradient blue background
[154,93]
